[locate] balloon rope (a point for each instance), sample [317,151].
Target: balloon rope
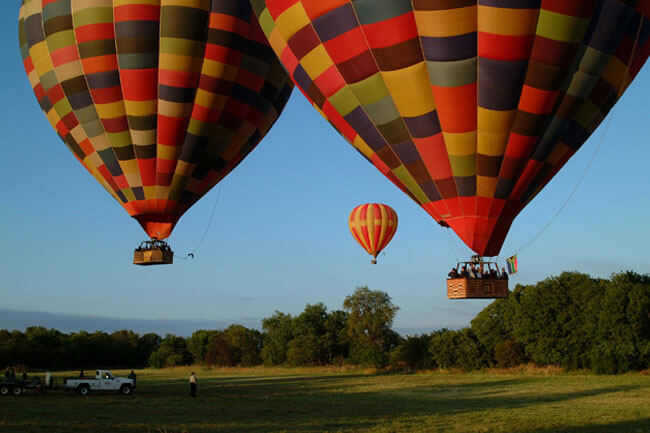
[600,142]
[205,232]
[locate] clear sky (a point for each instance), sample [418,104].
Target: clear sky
[279,238]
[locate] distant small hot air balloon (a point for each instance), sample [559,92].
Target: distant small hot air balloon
[373,225]
[158,99]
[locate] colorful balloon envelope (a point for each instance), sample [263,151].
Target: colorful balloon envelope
[373,225]
[470,107]
[158,99]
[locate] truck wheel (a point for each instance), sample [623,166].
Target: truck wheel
[17,391]
[83,390]
[4,390]
[126,389]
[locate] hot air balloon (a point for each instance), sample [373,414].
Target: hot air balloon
[373,225]
[158,99]
[470,107]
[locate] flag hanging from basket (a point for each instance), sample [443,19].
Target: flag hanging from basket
[512,264]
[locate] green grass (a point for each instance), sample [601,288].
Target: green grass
[330,400]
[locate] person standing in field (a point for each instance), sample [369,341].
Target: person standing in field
[133,376]
[193,385]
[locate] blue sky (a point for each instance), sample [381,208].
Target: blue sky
[279,238]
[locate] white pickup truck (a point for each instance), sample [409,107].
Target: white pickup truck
[103,381]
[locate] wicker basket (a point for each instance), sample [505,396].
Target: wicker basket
[476,288]
[153,257]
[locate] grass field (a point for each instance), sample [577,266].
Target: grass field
[330,400]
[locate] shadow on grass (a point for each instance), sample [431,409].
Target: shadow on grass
[636,426]
[346,403]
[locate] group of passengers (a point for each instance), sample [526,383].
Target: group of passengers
[476,270]
[154,247]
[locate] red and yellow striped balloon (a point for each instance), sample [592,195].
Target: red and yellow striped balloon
[373,225]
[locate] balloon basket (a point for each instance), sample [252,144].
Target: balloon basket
[373,261]
[153,252]
[489,285]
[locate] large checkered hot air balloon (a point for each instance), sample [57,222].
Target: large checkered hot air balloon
[158,99]
[469,106]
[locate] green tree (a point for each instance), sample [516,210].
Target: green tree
[172,352]
[370,316]
[278,333]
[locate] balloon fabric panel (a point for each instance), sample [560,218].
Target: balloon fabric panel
[158,99]
[470,107]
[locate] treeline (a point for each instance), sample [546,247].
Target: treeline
[573,321]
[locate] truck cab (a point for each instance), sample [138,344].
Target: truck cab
[104,380]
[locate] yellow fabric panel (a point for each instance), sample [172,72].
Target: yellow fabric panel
[141,108]
[174,109]
[111,110]
[199,4]
[178,62]
[486,186]
[447,22]
[69,70]
[143,137]
[560,27]
[493,130]
[150,191]
[291,20]
[460,144]
[276,40]
[167,152]
[136,2]
[217,69]
[316,61]
[128,193]
[411,90]
[91,4]
[363,147]
[507,22]
[129,168]
[162,192]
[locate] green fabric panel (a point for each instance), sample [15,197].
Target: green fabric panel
[370,90]
[405,177]
[452,73]
[93,128]
[120,139]
[586,113]
[181,47]
[560,27]
[382,111]
[594,62]
[95,15]
[581,85]
[344,101]
[61,40]
[87,114]
[374,11]
[49,80]
[138,60]
[463,166]
[266,22]
[56,9]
